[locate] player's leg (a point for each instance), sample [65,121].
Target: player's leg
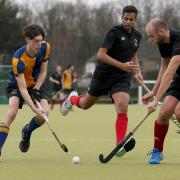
[177,112]
[161,126]
[8,119]
[96,89]
[121,100]
[53,101]
[54,97]
[34,123]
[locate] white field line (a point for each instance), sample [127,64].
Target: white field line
[90,139]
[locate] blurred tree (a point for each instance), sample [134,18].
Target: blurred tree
[169,13]
[75,31]
[11,24]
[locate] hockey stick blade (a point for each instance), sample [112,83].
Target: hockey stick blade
[63,146]
[115,150]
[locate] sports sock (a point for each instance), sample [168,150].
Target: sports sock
[3,135]
[160,132]
[52,103]
[61,102]
[75,100]
[33,124]
[121,126]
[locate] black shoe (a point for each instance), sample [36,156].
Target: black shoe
[25,142]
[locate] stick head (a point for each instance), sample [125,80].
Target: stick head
[65,149]
[101,158]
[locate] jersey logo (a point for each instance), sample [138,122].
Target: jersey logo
[123,38]
[135,42]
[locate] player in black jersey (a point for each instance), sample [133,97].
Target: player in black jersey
[168,41]
[116,61]
[56,79]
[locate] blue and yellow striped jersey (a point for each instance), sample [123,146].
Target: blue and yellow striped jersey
[29,67]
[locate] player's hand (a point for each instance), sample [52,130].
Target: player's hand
[35,94]
[138,77]
[147,97]
[40,113]
[129,67]
[152,106]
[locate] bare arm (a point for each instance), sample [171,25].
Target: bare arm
[152,93]
[136,62]
[164,65]
[42,75]
[168,76]
[105,58]
[53,80]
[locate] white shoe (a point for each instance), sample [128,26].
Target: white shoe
[67,106]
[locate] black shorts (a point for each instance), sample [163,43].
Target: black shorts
[99,87]
[14,91]
[56,88]
[174,89]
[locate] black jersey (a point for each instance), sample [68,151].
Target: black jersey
[121,46]
[168,50]
[57,77]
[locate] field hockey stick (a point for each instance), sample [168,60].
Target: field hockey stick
[173,117]
[65,149]
[106,159]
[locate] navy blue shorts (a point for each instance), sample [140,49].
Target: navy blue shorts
[100,86]
[14,91]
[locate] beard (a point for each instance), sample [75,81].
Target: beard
[160,40]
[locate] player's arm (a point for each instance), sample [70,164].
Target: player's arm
[168,76]
[164,65]
[53,80]
[42,75]
[152,93]
[105,58]
[137,72]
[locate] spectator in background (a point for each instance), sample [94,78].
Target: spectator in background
[56,79]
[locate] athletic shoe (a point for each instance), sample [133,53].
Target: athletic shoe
[25,142]
[156,157]
[127,147]
[67,106]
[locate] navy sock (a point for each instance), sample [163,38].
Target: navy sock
[32,125]
[3,135]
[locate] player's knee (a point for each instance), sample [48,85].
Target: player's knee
[121,106]
[177,114]
[85,106]
[163,117]
[12,113]
[39,120]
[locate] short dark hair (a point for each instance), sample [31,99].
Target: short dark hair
[33,30]
[130,9]
[69,66]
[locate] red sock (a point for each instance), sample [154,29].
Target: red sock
[61,102]
[75,100]
[52,102]
[160,132]
[121,127]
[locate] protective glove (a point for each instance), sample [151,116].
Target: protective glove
[35,94]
